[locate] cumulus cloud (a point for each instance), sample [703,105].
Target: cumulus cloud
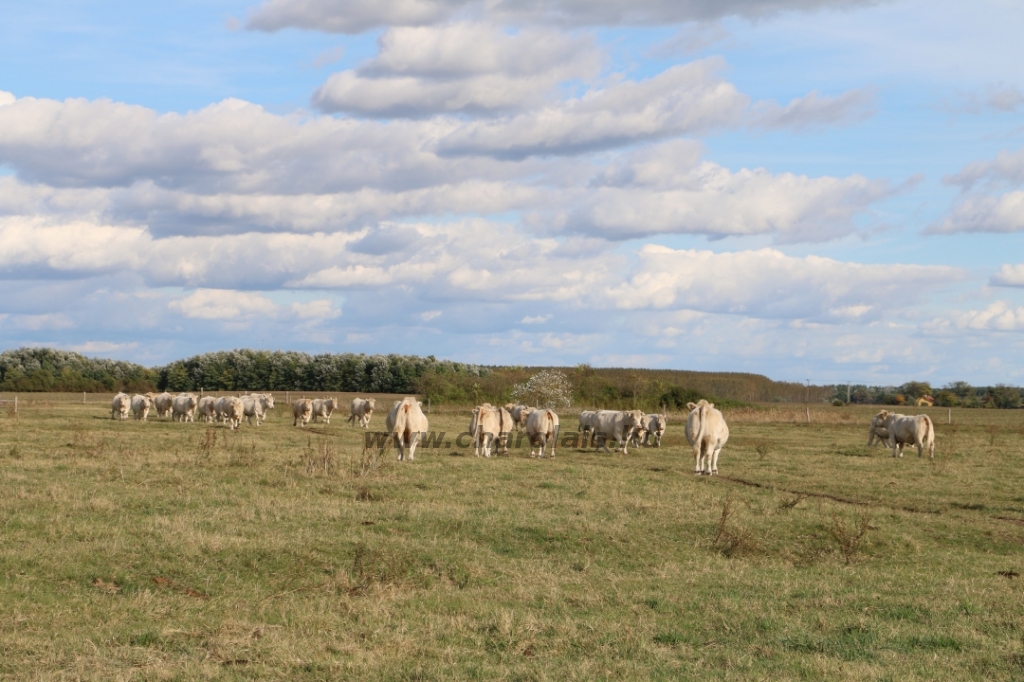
[222,304]
[356,16]
[667,189]
[1007,167]
[768,284]
[461,67]
[984,205]
[814,111]
[684,99]
[1008,276]
[997,316]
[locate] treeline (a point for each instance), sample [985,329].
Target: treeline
[954,394]
[47,369]
[444,381]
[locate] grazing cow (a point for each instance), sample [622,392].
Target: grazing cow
[519,413]
[302,411]
[588,425]
[490,424]
[207,408]
[917,430]
[234,411]
[324,408]
[406,423]
[542,428]
[655,429]
[256,405]
[708,433]
[120,406]
[140,406]
[362,410]
[618,426]
[162,403]
[183,407]
[877,433]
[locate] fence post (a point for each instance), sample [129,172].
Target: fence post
[287,397]
[83,397]
[808,414]
[949,416]
[15,404]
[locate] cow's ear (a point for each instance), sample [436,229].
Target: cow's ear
[691,406]
[711,404]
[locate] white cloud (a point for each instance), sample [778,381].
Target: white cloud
[223,304]
[430,315]
[1008,276]
[356,16]
[815,111]
[535,319]
[461,67]
[684,99]
[984,213]
[666,189]
[103,347]
[1007,167]
[322,309]
[998,316]
[768,284]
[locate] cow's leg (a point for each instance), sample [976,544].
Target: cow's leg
[714,460]
[413,441]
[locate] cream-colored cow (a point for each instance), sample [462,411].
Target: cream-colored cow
[234,411]
[708,433]
[618,426]
[520,413]
[877,433]
[120,406]
[206,409]
[655,429]
[256,405]
[140,406]
[302,411]
[183,407]
[162,403]
[489,425]
[362,410]
[917,430]
[541,429]
[407,424]
[588,426]
[324,407]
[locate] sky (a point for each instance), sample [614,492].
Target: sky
[822,190]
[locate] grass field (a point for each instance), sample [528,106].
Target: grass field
[186,551]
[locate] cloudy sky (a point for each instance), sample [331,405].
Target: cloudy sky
[829,190]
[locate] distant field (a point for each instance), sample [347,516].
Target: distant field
[185,551]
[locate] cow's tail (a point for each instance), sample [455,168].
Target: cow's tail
[930,437]
[698,439]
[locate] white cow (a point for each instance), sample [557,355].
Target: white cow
[220,408]
[256,405]
[140,406]
[617,426]
[407,424]
[362,410]
[183,407]
[120,406]
[324,407]
[588,426]
[917,430]
[206,408]
[302,411]
[877,433]
[490,424]
[708,433]
[234,411]
[519,413]
[162,403]
[541,428]
[655,429]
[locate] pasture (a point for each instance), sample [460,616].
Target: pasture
[186,551]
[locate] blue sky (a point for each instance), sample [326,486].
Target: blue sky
[823,189]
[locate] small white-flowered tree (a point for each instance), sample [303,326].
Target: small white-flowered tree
[548,388]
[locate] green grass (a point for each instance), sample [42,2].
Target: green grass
[185,551]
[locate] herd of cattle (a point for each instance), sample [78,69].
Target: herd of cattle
[491,426]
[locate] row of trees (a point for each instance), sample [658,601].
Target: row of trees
[954,394]
[443,381]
